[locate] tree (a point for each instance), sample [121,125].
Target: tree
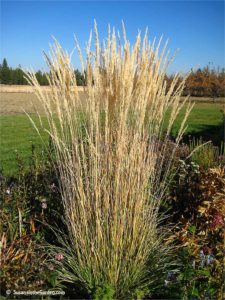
[5,74]
[41,78]
[79,77]
[18,77]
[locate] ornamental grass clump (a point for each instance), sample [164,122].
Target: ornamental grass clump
[109,150]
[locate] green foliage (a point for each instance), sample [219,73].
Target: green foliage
[5,75]
[79,77]
[18,76]
[41,78]
[194,280]
[207,155]
[104,293]
[140,294]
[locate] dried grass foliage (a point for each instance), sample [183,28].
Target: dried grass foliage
[110,154]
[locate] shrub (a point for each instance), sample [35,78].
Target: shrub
[197,204]
[110,163]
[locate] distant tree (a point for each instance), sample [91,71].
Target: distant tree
[38,75]
[18,76]
[45,79]
[206,82]
[5,73]
[79,77]
[41,78]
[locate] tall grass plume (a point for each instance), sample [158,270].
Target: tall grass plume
[110,153]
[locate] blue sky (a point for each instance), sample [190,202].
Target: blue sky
[195,27]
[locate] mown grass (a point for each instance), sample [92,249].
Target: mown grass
[17,137]
[18,134]
[202,115]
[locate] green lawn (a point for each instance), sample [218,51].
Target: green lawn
[17,137]
[17,133]
[202,117]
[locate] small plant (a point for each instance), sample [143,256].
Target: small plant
[207,155]
[104,293]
